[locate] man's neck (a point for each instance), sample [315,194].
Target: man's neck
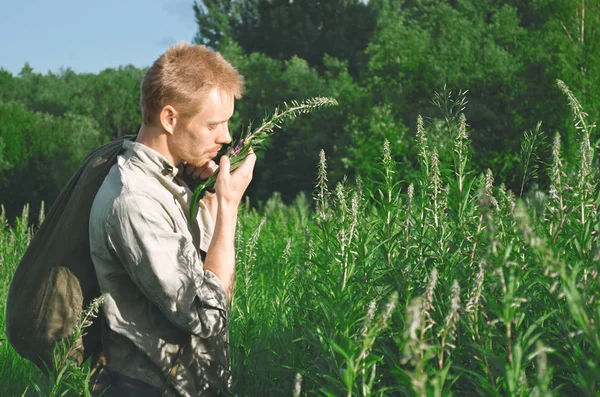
[156,140]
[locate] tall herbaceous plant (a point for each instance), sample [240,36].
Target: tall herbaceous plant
[445,284]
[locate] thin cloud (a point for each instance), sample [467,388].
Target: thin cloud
[180,9]
[165,42]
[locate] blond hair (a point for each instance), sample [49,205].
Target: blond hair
[182,76]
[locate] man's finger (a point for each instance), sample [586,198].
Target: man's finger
[248,164]
[207,171]
[224,165]
[198,173]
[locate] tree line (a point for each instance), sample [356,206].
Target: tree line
[385,61]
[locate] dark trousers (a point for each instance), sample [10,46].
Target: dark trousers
[114,384]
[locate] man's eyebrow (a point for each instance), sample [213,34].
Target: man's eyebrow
[217,122]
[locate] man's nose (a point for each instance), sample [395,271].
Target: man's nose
[224,136]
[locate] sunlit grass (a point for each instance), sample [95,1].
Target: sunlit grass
[445,284]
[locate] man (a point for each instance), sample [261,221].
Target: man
[167,283]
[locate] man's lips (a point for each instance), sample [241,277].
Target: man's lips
[214,153]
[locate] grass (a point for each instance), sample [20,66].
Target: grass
[446,284]
[17,373]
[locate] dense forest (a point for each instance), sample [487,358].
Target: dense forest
[385,61]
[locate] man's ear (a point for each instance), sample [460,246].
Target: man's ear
[168,118]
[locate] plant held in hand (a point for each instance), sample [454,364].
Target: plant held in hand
[255,140]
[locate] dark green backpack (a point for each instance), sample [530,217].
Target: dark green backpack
[56,279]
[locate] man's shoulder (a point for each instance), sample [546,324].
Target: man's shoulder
[124,188]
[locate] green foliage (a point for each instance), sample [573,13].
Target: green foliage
[68,377]
[529,159]
[16,372]
[270,83]
[338,28]
[111,97]
[492,298]
[256,140]
[444,285]
[215,19]
[416,48]
[476,46]
[49,122]
[382,60]
[40,152]
[4,164]
[425,277]
[365,134]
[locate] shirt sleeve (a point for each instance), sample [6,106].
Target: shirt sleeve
[166,266]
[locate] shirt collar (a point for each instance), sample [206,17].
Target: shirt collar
[151,158]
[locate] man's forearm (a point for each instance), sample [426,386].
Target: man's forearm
[220,258]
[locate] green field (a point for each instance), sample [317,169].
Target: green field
[440,285]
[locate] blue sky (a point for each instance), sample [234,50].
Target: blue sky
[89,36]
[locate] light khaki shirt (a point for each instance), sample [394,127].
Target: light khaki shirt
[148,262]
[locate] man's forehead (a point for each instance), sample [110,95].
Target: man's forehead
[217,107]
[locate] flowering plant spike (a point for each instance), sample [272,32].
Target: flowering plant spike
[256,139]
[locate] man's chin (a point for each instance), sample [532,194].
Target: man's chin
[199,163]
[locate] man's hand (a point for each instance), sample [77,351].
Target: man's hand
[201,172]
[220,257]
[231,187]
